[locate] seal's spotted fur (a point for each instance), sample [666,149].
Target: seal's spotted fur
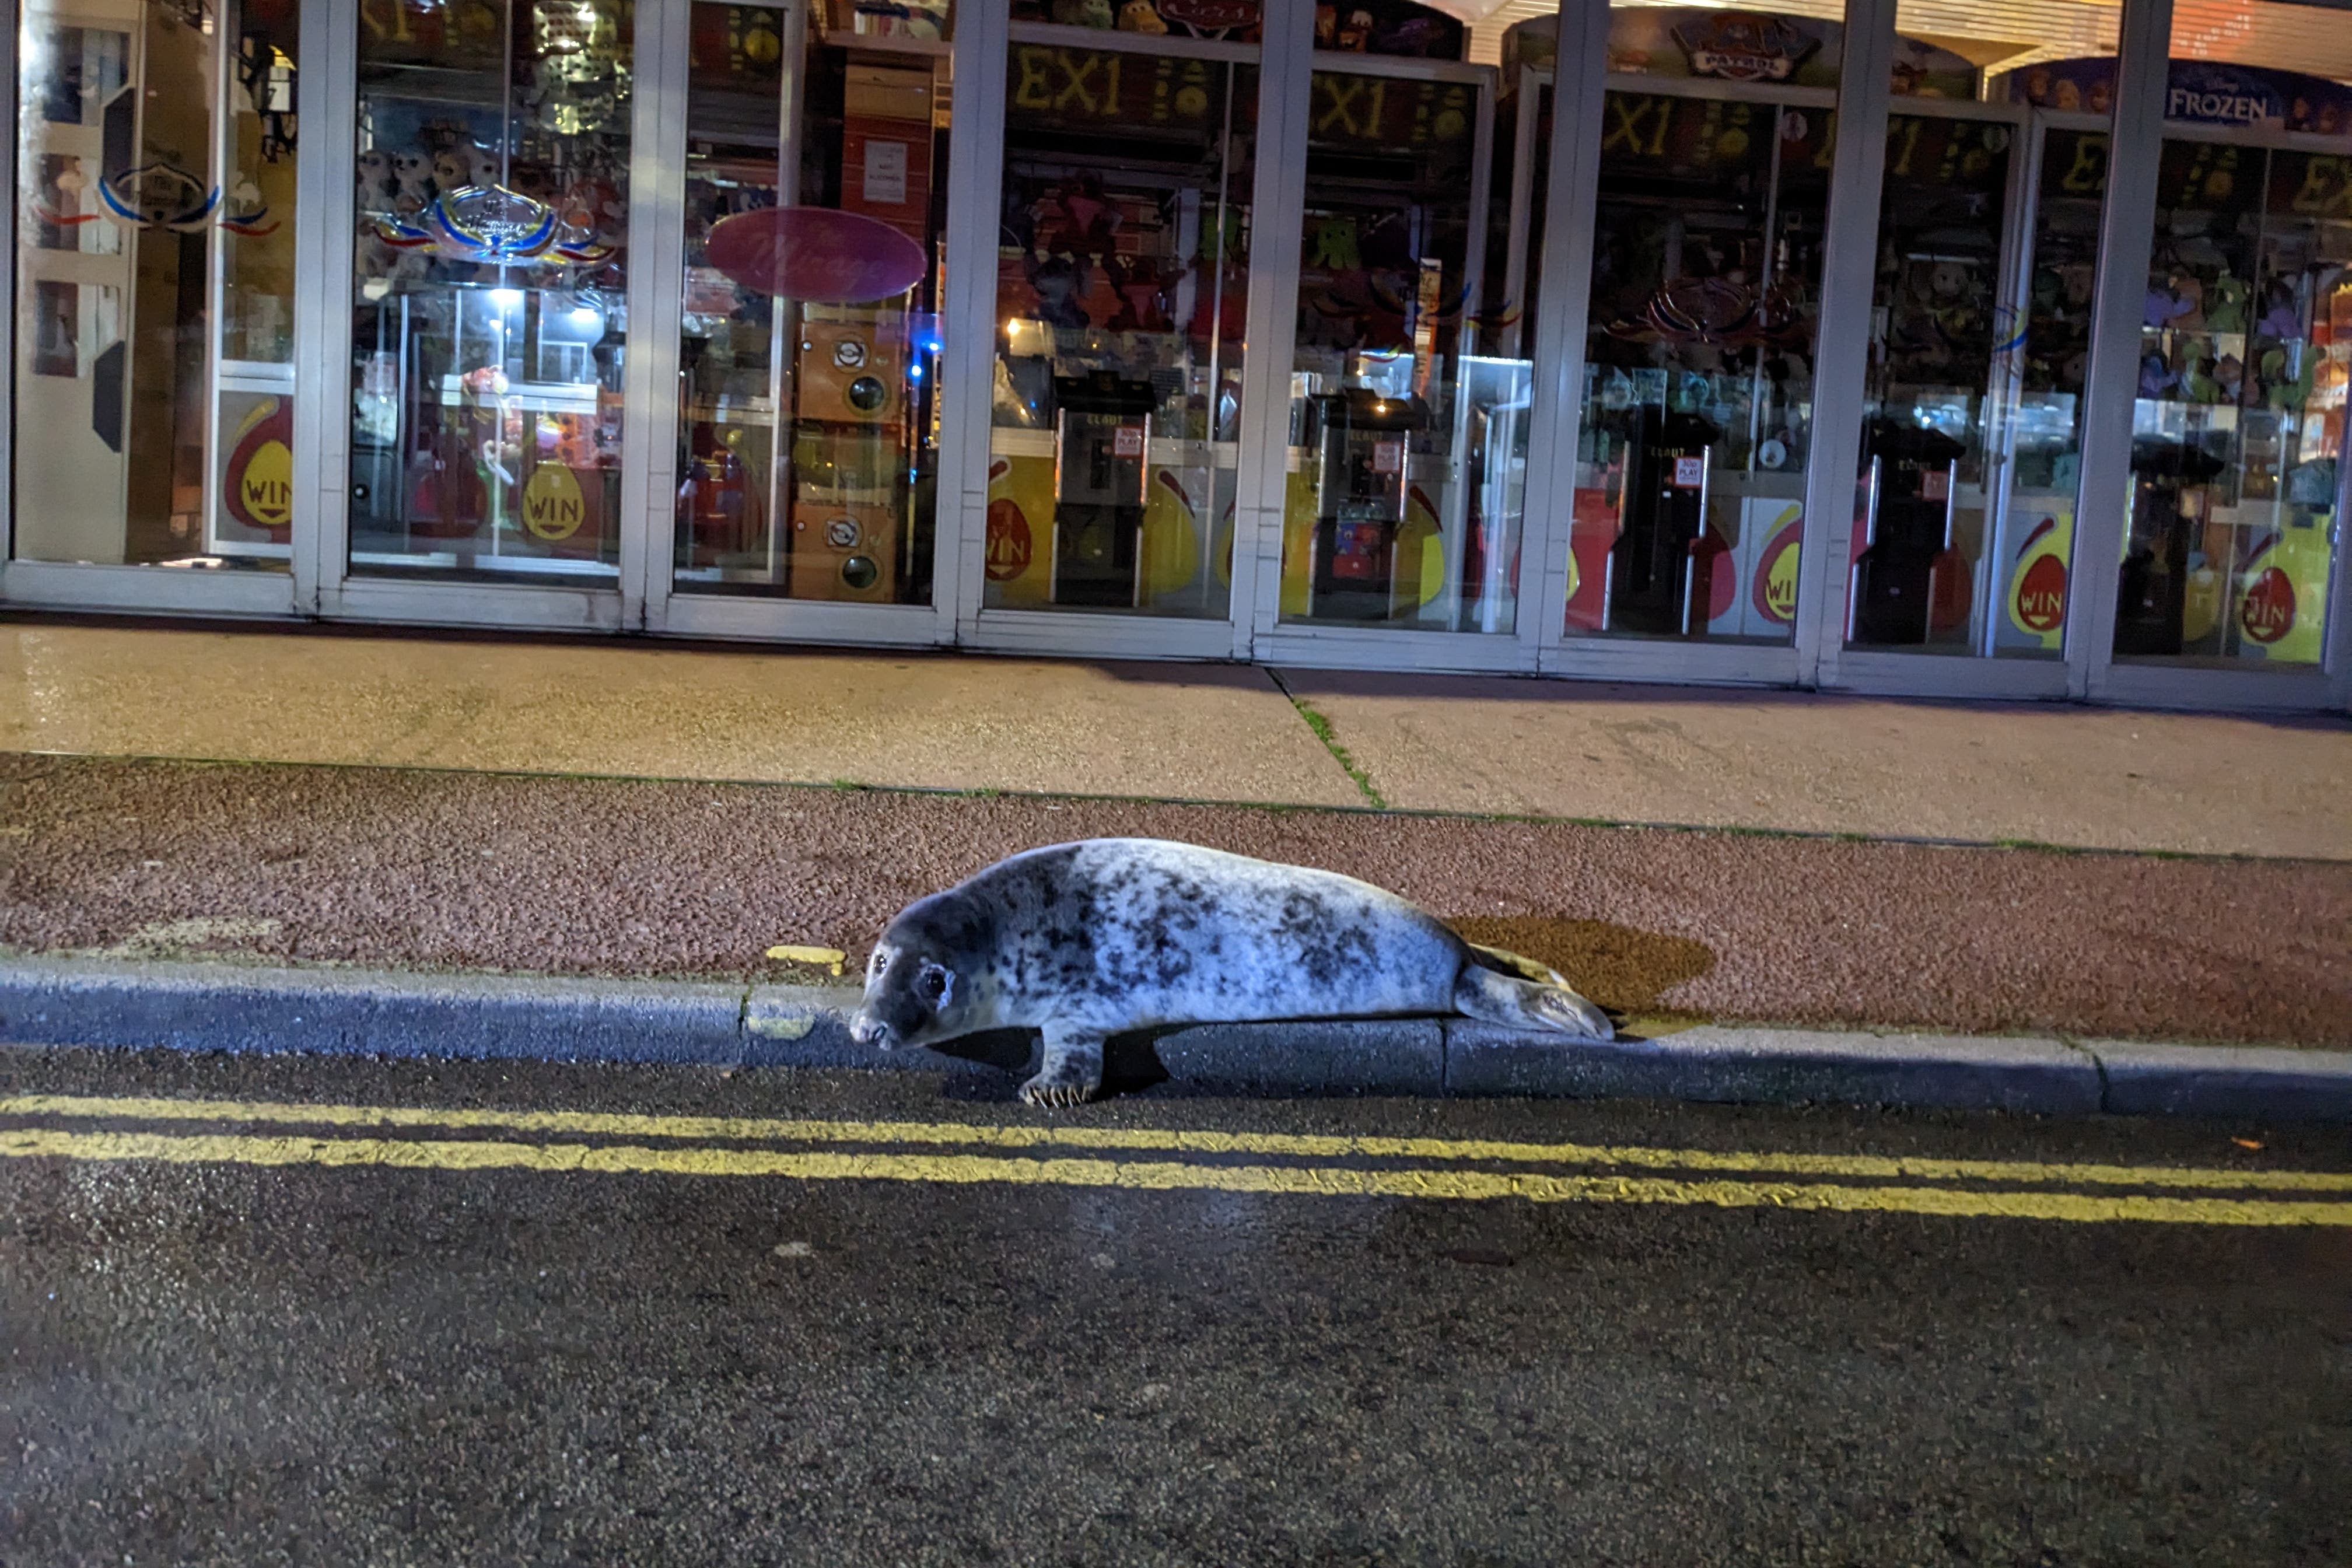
[1089,939]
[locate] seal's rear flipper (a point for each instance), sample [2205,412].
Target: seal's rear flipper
[1503,962]
[1495,998]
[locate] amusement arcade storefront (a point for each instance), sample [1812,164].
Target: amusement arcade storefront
[1939,348]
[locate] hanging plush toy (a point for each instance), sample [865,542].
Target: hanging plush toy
[1140,307]
[1060,281]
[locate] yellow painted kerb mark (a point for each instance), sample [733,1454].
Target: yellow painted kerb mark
[1426,1183]
[1171,1139]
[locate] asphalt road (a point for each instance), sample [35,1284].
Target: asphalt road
[912,1323]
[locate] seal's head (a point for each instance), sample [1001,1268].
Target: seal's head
[924,982]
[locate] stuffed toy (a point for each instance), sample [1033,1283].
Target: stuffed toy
[2281,320]
[2190,291]
[1141,309]
[376,189]
[412,175]
[2225,305]
[1060,281]
[451,172]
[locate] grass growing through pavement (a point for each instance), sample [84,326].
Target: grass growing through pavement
[1323,732]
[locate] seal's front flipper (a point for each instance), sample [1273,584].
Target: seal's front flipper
[1517,1004]
[1071,1073]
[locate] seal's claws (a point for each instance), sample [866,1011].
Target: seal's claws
[1055,1096]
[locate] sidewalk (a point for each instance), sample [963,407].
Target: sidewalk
[1985,773]
[409,856]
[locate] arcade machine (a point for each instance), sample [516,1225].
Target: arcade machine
[1102,430]
[1914,480]
[2171,495]
[851,388]
[860,425]
[1359,438]
[1664,517]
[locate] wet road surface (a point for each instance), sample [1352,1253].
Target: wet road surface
[601,1314]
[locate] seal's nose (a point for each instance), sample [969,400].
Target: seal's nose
[869,1030]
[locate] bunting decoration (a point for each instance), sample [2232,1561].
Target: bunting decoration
[492,226]
[158,196]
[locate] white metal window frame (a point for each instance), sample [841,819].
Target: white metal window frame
[1849,266]
[2127,235]
[986,28]
[73,585]
[657,201]
[1977,671]
[2193,682]
[1302,642]
[327,224]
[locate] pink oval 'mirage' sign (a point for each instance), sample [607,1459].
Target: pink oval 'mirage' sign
[816,254]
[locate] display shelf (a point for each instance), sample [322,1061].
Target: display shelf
[256,375]
[469,87]
[531,396]
[889,44]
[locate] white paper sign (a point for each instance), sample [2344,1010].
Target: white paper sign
[885,173]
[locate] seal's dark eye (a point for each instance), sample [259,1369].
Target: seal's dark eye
[933,984]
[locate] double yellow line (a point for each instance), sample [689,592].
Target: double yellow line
[1162,1160]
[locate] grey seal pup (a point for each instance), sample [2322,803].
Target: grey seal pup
[1084,941]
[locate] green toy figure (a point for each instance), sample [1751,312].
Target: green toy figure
[2225,305]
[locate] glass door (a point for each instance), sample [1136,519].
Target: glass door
[809,346]
[155,288]
[2238,429]
[1707,251]
[1122,272]
[488,296]
[1939,387]
[1409,418]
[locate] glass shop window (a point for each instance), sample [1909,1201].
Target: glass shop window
[1410,392]
[817,143]
[1123,255]
[1707,244]
[2238,427]
[156,283]
[1938,389]
[488,296]
[1521,180]
[2063,78]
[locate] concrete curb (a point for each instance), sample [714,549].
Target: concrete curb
[80,1001]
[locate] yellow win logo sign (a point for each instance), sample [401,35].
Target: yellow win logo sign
[258,489]
[552,507]
[267,485]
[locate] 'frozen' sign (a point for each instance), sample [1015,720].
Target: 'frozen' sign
[2197,93]
[2200,94]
